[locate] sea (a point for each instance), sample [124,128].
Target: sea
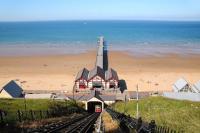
[74,37]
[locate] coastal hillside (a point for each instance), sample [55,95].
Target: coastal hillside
[177,115]
[10,107]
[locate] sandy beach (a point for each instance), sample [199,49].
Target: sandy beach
[57,72]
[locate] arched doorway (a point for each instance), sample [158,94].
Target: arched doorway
[94,102]
[92,105]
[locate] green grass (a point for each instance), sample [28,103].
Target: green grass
[11,106]
[178,115]
[18,104]
[31,104]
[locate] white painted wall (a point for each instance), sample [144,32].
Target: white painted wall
[4,94]
[182,96]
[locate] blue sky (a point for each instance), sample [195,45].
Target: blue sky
[33,10]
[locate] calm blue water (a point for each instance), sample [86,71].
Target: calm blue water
[78,36]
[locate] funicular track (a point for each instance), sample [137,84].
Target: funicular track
[81,124]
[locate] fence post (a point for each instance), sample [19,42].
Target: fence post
[32,117]
[40,114]
[161,129]
[152,126]
[47,114]
[19,115]
[168,130]
[158,129]
[1,115]
[165,129]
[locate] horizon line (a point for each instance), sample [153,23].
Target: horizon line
[165,20]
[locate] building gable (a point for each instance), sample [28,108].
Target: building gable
[13,89]
[111,75]
[82,74]
[180,85]
[94,99]
[4,94]
[97,71]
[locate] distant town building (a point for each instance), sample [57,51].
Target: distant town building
[61,96]
[40,96]
[132,95]
[11,90]
[100,77]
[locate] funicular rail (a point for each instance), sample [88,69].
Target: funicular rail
[82,124]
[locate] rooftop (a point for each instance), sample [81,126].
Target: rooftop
[13,89]
[180,84]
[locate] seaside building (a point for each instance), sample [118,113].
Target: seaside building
[101,77]
[93,85]
[103,99]
[99,86]
[132,95]
[182,90]
[40,96]
[11,90]
[181,85]
[90,100]
[81,79]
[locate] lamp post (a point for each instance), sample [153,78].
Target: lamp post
[137,106]
[125,106]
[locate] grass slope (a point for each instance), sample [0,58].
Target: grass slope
[11,106]
[178,115]
[31,104]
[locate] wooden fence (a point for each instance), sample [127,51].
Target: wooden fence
[162,129]
[31,115]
